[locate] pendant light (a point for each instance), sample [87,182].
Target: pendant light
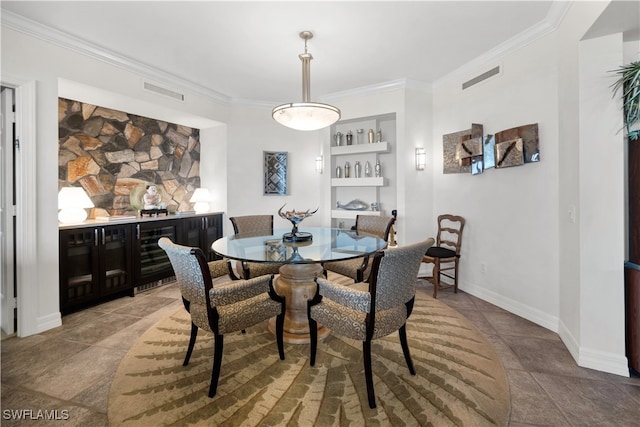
[306,115]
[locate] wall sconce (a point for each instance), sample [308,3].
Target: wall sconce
[319,164]
[72,202]
[201,197]
[421,159]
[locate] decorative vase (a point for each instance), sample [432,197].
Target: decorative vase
[349,138]
[356,168]
[338,138]
[378,169]
[347,169]
[338,172]
[359,136]
[367,169]
[379,135]
[370,135]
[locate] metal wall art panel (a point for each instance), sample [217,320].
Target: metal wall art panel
[275,173]
[450,146]
[509,153]
[530,143]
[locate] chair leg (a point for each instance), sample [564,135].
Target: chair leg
[217,363]
[192,341]
[280,334]
[436,277]
[313,338]
[368,374]
[455,279]
[405,348]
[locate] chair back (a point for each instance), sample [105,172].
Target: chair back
[376,225]
[394,274]
[190,268]
[450,232]
[252,224]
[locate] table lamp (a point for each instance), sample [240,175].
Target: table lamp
[72,202]
[201,197]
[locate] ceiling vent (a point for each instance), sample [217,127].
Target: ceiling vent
[152,87]
[482,77]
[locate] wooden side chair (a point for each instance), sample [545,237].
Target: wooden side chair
[367,311]
[223,308]
[359,268]
[445,255]
[257,225]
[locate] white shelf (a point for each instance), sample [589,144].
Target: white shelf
[348,214]
[358,182]
[376,147]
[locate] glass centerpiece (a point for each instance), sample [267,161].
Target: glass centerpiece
[296,217]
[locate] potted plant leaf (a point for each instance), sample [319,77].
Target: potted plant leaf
[629,83]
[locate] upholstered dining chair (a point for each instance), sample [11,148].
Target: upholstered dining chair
[445,255]
[223,308]
[359,268]
[254,225]
[367,311]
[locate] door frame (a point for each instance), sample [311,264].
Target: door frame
[26,203]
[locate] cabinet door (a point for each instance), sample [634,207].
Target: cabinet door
[152,262]
[115,259]
[79,268]
[192,229]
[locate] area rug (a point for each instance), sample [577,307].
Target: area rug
[459,378]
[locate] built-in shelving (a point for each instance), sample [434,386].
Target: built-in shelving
[358,182]
[376,147]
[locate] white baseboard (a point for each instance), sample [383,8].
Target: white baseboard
[49,321]
[584,357]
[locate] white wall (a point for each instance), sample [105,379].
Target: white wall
[511,213]
[602,182]
[251,131]
[539,264]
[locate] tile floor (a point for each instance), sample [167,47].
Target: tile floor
[70,369]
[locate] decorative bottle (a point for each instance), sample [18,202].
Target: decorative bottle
[347,170]
[370,135]
[338,172]
[367,169]
[349,138]
[379,135]
[356,168]
[360,136]
[378,169]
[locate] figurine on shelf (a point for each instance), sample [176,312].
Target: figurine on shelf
[152,199]
[378,169]
[367,169]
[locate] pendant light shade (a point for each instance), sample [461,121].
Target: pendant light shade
[306,115]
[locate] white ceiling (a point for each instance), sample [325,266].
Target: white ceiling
[249,50]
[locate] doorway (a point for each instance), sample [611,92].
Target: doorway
[8,283]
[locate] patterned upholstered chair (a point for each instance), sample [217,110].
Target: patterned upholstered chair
[254,225]
[367,311]
[445,255]
[359,268]
[223,308]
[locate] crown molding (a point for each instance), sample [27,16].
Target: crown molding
[388,86]
[550,23]
[34,29]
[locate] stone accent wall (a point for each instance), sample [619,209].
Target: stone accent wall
[113,155]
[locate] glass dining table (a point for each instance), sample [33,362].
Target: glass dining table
[301,264]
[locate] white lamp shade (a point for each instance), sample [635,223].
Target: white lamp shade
[201,197]
[306,115]
[72,202]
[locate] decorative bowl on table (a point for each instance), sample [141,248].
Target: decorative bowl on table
[296,217]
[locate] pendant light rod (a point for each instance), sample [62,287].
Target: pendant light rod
[306,67]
